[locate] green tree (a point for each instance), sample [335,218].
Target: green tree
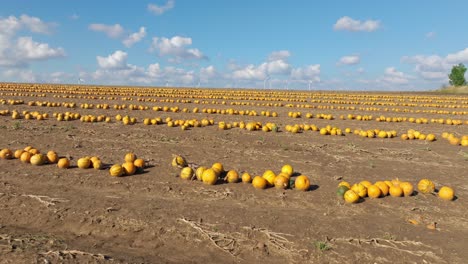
[457,75]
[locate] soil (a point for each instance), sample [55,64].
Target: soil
[52,215]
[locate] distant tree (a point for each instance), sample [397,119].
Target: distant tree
[457,75]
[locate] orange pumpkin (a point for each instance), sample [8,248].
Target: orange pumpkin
[302,183]
[218,168]
[281,182]
[130,157]
[383,187]
[129,168]
[25,157]
[18,153]
[52,157]
[246,178]
[408,188]
[396,191]
[140,163]
[6,154]
[232,176]
[259,182]
[63,163]
[374,191]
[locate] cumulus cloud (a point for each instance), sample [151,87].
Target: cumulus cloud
[308,73]
[20,51]
[134,37]
[348,24]
[393,76]
[349,60]
[116,60]
[279,55]
[176,47]
[435,66]
[161,9]
[112,31]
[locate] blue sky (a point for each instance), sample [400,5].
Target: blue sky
[342,45]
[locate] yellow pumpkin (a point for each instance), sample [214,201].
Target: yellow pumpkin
[139,163]
[37,159]
[179,161]
[209,177]
[281,182]
[218,168]
[246,178]
[374,191]
[129,168]
[302,183]
[359,189]
[199,172]
[18,153]
[130,157]
[396,191]
[287,169]
[83,163]
[408,188]
[446,193]
[344,183]
[269,176]
[6,154]
[52,157]
[259,182]
[63,163]
[426,186]
[351,197]
[383,187]
[116,170]
[232,176]
[25,157]
[97,164]
[366,183]
[186,173]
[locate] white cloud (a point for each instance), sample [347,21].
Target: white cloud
[308,73]
[279,55]
[349,24]
[250,72]
[435,66]
[208,73]
[430,35]
[31,50]
[176,47]
[74,17]
[134,37]
[116,60]
[393,76]
[349,60]
[20,51]
[161,9]
[112,31]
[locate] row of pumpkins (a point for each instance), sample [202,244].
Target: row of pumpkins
[395,188]
[130,166]
[212,175]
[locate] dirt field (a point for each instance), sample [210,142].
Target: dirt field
[51,215]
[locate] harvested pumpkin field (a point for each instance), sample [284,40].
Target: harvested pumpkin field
[68,215]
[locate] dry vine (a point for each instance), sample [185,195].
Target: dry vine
[46,200]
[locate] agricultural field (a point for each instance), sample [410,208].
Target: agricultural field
[96,174]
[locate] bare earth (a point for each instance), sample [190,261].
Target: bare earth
[50,215]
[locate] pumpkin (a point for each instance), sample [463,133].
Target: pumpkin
[97,164]
[129,168]
[179,161]
[199,172]
[246,178]
[351,197]
[186,173]
[63,163]
[359,189]
[342,189]
[34,151]
[94,159]
[374,191]
[37,159]
[302,183]
[426,186]
[366,183]
[52,157]
[28,148]
[408,188]
[209,177]
[139,163]
[446,193]
[25,157]
[218,168]
[6,154]
[383,187]
[116,170]
[232,176]
[18,153]
[259,182]
[344,183]
[396,191]
[287,169]
[83,163]
[281,182]
[130,157]
[269,176]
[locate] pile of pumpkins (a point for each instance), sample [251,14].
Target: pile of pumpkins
[216,173]
[395,188]
[35,157]
[130,166]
